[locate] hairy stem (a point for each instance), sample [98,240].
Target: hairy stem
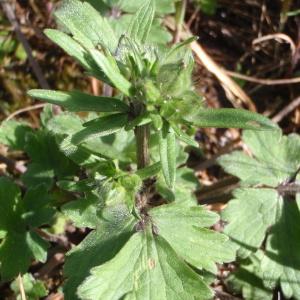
[142,134]
[142,145]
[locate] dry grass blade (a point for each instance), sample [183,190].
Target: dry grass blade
[277,37]
[21,287]
[234,92]
[288,109]
[263,81]
[26,109]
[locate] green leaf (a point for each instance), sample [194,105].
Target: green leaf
[101,127]
[37,200]
[186,184]
[249,215]
[157,35]
[119,146]
[247,282]
[149,171]
[167,150]
[182,227]
[71,47]
[132,184]
[174,78]
[100,6]
[138,121]
[13,134]
[109,67]
[83,212]
[281,261]
[157,121]
[77,101]
[140,25]
[278,263]
[67,124]
[46,160]
[84,185]
[131,6]
[34,289]
[181,135]
[143,264]
[86,25]
[209,7]
[113,230]
[231,118]
[178,47]
[263,220]
[46,115]
[18,219]
[275,158]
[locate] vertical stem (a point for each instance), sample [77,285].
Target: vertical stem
[142,134]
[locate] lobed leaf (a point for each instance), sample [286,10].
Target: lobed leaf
[67,124]
[246,281]
[249,215]
[83,211]
[182,227]
[46,160]
[114,229]
[264,222]
[281,261]
[144,263]
[275,158]
[13,134]
[18,220]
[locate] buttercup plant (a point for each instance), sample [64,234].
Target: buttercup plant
[149,238]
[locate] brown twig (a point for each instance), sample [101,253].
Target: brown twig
[233,90]
[277,37]
[218,192]
[12,165]
[264,81]
[287,110]
[56,260]
[20,111]
[9,12]
[59,239]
